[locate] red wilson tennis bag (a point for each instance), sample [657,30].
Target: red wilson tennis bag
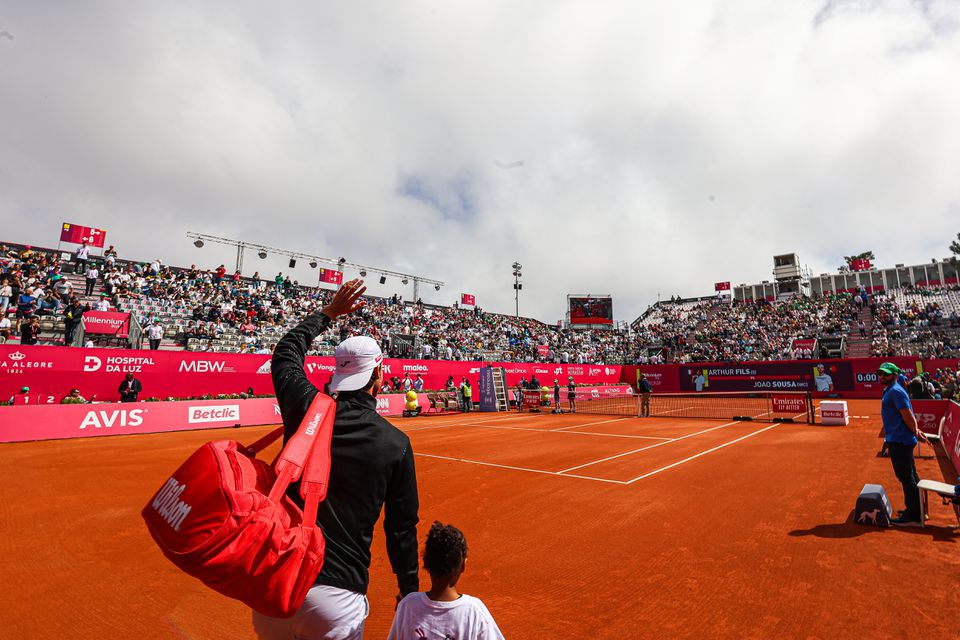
[223,517]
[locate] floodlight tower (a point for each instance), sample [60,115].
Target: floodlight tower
[517,285]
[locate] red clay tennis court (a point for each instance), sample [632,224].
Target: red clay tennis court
[579,526]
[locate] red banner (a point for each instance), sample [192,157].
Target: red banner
[929,413]
[51,421]
[78,234]
[543,350]
[106,323]
[950,436]
[468,299]
[721,286]
[178,374]
[859,264]
[331,276]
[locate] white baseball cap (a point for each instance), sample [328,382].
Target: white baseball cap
[356,357]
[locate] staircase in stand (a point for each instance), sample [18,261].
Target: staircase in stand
[859,346]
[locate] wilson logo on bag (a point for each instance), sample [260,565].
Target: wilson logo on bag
[224,518]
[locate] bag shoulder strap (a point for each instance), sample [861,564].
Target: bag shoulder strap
[317,421]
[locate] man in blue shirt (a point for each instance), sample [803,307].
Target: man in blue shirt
[900,437]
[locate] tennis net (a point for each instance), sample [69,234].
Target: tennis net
[762,406]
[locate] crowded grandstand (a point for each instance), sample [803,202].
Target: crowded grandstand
[46,292]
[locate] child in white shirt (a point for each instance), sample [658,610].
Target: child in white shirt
[443,612]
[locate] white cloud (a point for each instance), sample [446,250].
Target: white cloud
[664,146]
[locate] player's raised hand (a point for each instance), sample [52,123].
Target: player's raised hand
[346,299]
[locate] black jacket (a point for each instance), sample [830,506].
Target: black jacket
[372,467]
[130,390]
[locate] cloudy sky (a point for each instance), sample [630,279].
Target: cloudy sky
[630,148]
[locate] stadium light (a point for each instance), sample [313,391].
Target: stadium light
[262,254]
[341,260]
[383,279]
[293,263]
[404,281]
[313,264]
[198,243]
[437,287]
[517,286]
[363,273]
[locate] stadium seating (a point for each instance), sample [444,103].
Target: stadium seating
[203,312]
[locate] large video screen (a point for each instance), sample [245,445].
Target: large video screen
[591,309]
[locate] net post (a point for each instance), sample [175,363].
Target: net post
[811,415]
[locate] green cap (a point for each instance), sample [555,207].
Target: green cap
[888,368]
[25,390]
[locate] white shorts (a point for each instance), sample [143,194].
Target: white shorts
[327,613]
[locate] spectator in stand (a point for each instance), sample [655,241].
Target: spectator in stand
[418,384]
[49,305]
[72,314]
[81,255]
[26,306]
[63,288]
[130,388]
[92,273]
[5,328]
[30,331]
[110,257]
[73,397]
[103,304]
[6,292]
[155,334]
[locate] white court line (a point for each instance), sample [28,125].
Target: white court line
[581,433]
[457,422]
[433,426]
[652,446]
[590,424]
[703,453]
[527,469]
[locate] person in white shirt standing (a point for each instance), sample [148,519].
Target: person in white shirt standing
[155,334]
[81,255]
[102,304]
[92,274]
[443,612]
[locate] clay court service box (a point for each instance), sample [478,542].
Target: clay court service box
[834,412]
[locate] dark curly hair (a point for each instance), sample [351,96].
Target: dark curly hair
[445,550]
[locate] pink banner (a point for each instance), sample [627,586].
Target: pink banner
[950,436]
[49,422]
[106,323]
[929,413]
[177,374]
[53,371]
